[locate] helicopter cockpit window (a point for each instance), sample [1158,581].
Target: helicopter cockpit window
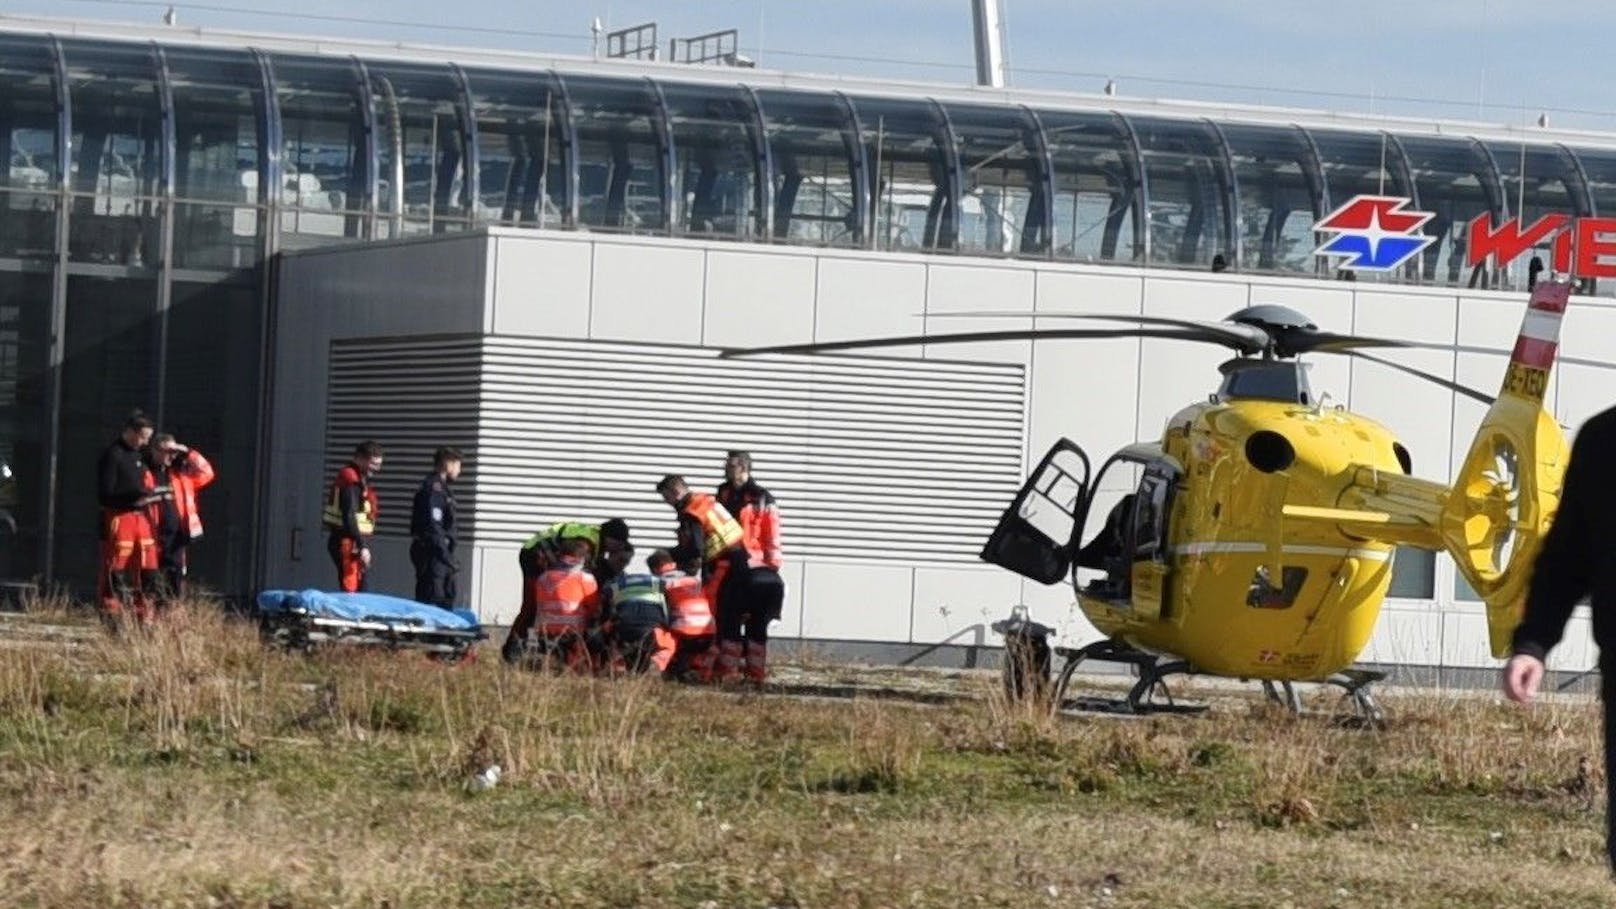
[1150,517]
[1264,594]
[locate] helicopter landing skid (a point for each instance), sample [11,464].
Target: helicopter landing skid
[1363,711]
[1149,694]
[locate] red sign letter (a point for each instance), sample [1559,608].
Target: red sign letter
[1594,247]
[1504,244]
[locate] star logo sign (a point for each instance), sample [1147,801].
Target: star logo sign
[1374,233]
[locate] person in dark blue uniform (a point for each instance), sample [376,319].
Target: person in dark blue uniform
[432,532]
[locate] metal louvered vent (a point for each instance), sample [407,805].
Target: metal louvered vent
[884,458]
[412,396]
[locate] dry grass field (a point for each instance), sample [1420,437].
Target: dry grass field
[189,767]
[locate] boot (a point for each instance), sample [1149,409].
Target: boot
[757,662]
[730,655]
[701,664]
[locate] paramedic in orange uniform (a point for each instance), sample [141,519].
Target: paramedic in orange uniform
[128,577]
[759,592]
[350,517]
[690,619]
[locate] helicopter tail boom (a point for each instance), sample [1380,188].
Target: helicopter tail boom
[1493,517]
[1384,518]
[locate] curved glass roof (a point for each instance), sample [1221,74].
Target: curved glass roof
[323,148]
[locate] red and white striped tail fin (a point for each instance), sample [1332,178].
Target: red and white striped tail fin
[1535,347]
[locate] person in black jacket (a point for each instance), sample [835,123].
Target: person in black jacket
[432,531]
[1575,562]
[128,577]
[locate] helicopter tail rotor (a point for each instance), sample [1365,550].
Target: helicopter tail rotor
[1508,488]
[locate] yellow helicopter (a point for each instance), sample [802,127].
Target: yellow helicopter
[1258,540]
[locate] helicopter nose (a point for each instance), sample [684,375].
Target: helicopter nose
[1269,452]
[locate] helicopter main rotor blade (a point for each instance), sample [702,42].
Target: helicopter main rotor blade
[1505,352]
[1241,337]
[1019,334]
[1298,341]
[1449,384]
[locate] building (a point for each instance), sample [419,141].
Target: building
[246,233]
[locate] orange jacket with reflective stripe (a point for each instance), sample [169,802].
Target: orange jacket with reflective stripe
[759,517]
[351,505]
[689,613]
[185,476]
[568,598]
[706,529]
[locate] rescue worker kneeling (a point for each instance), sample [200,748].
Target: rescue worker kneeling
[635,628]
[542,551]
[690,620]
[567,603]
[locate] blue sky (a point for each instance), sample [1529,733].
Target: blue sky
[1496,61]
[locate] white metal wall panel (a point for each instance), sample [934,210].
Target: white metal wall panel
[757,299]
[1419,414]
[1584,391]
[966,288]
[958,606]
[857,602]
[1075,392]
[868,298]
[869,457]
[1406,635]
[645,292]
[541,288]
[412,395]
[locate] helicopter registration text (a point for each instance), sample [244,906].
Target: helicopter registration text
[1526,381]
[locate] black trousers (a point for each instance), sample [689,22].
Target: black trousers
[434,575]
[172,562]
[1607,700]
[750,600]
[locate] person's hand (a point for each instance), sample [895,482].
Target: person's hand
[1523,675]
[364,557]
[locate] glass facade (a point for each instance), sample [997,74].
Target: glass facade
[145,186]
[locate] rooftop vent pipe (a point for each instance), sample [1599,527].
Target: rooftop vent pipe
[988,16]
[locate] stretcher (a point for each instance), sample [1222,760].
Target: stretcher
[304,619]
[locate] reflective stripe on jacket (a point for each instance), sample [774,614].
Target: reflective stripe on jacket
[185,476]
[365,515]
[567,598]
[637,599]
[759,516]
[691,614]
[719,530]
[565,530]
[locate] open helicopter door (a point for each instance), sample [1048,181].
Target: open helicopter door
[1037,535]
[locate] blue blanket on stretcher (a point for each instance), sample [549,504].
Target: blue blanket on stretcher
[368,607]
